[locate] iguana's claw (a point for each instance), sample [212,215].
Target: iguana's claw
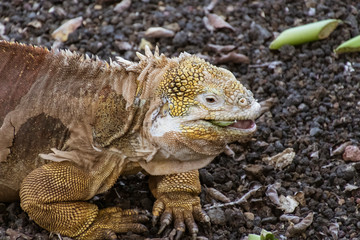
[115,220]
[111,235]
[179,234]
[154,220]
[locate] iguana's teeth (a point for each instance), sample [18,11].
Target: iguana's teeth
[223,123]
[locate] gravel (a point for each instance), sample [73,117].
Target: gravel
[317,105]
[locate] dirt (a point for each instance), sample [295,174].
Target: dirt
[314,100]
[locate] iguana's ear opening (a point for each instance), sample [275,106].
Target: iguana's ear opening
[164,110]
[169,166]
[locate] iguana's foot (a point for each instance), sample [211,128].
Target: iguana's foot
[110,221]
[178,201]
[182,207]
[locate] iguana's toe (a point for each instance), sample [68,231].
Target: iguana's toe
[190,224]
[200,215]
[115,220]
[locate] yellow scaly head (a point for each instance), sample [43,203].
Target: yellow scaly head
[204,105]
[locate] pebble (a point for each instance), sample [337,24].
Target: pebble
[21,222]
[287,52]
[180,39]
[351,153]
[217,216]
[258,32]
[122,46]
[293,99]
[94,47]
[122,6]
[108,29]
[303,107]
[279,147]
[267,220]
[315,131]
[159,32]
[234,217]
[328,213]
[206,178]
[346,172]
[249,216]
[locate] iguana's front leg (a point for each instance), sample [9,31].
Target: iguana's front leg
[178,200]
[54,197]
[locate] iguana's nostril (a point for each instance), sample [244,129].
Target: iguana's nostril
[242,101]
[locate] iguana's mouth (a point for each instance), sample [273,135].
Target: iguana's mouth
[239,124]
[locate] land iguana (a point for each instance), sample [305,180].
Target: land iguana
[71,125]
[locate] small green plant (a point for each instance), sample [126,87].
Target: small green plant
[264,235]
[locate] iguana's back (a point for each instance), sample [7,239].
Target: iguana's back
[44,96]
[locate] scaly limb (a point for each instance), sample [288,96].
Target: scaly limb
[54,196]
[178,202]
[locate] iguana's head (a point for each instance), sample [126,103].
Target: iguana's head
[204,108]
[195,110]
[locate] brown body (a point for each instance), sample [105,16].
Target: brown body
[70,126]
[48,101]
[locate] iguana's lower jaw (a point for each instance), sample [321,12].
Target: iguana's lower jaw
[217,133]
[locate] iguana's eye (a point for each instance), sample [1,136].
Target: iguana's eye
[210,99]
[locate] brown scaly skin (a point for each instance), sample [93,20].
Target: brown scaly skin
[70,126]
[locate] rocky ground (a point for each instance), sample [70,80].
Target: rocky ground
[313,96]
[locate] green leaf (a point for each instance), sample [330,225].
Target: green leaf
[254,237]
[265,235]
[305,33]
[352,45]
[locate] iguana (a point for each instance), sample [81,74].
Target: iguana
[71,125]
